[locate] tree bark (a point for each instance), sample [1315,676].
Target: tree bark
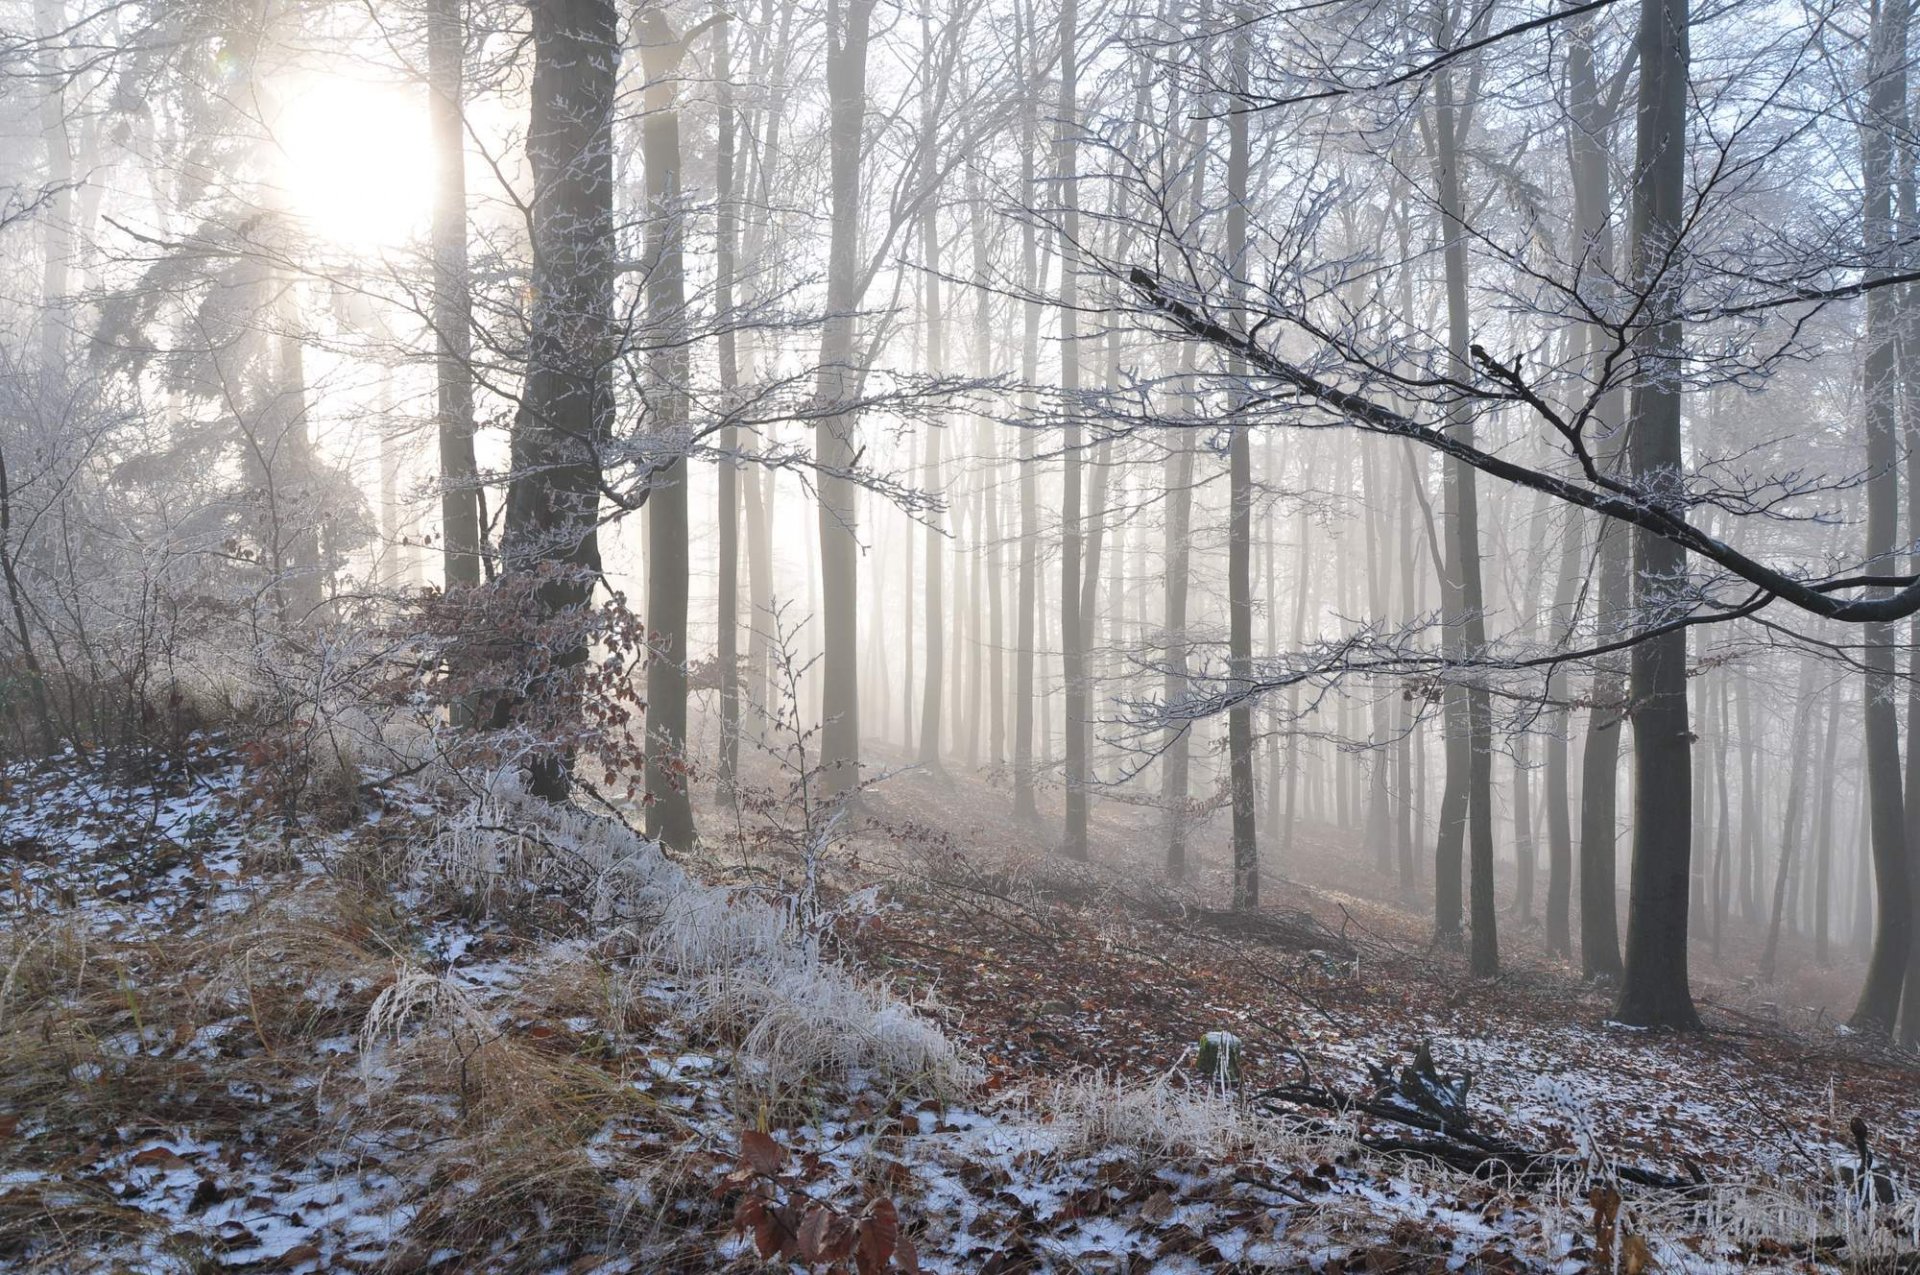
[848,24]
[460,546]
[1653,984]
[1246,851]
[1024,806]
[1470,741]
[1880,996]
[726,238]
[566,411]
[669,800]
[1073,657]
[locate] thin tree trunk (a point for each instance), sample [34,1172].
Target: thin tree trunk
[1823,834]
[1471,740]
[1246,851]
[669,800]
[1804,725]
[1559,723]
[1600,758]
[726,234]
[1024,806]
[452,303]
[1072,641]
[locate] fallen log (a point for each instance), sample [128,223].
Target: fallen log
[1456,1145]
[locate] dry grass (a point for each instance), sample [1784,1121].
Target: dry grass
[109,1042]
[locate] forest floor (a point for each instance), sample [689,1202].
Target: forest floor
[441,1034]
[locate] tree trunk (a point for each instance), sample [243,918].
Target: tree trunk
[452,304]
[1885,120]
[1559,722]
[1790,822]
[1073,658]
[566,412]
[726,235]
[669,804]
[1024,626]
[1588,147]
[1823,835]
[1246,851]
[1653,985]
[848,22]
[1470,742]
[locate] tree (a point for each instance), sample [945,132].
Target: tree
[1467,804]
[566,410]
[725,260]
[452,300]
[1591,111]
[848,23]
[936,354]
[1246,853]
[1879,1002]
[669,803]
[1024,806]
[1073,654]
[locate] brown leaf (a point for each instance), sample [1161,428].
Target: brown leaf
[1157,1209]
[879,1235]
[813,1235]
[766,1233]
[299,1255]
[161,1157]
[762,1153]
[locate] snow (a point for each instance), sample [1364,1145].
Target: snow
[743,1011]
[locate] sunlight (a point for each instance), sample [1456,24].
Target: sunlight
[359,161]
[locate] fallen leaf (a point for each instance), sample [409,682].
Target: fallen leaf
[1157,1209]
[157,1157]
[762,1153]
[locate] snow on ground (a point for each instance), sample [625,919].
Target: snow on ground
[483,1036]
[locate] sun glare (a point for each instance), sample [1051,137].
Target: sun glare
[359,164]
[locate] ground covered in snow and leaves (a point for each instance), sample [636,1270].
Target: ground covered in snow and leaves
[444,1027]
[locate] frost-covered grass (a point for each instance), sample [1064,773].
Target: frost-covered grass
[524,1038]
[753,972]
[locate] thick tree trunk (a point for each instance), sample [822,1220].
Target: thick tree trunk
[1653,984]
[1907,225]
[566,411]
[1880,996]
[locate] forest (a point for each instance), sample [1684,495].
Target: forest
[985,636]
